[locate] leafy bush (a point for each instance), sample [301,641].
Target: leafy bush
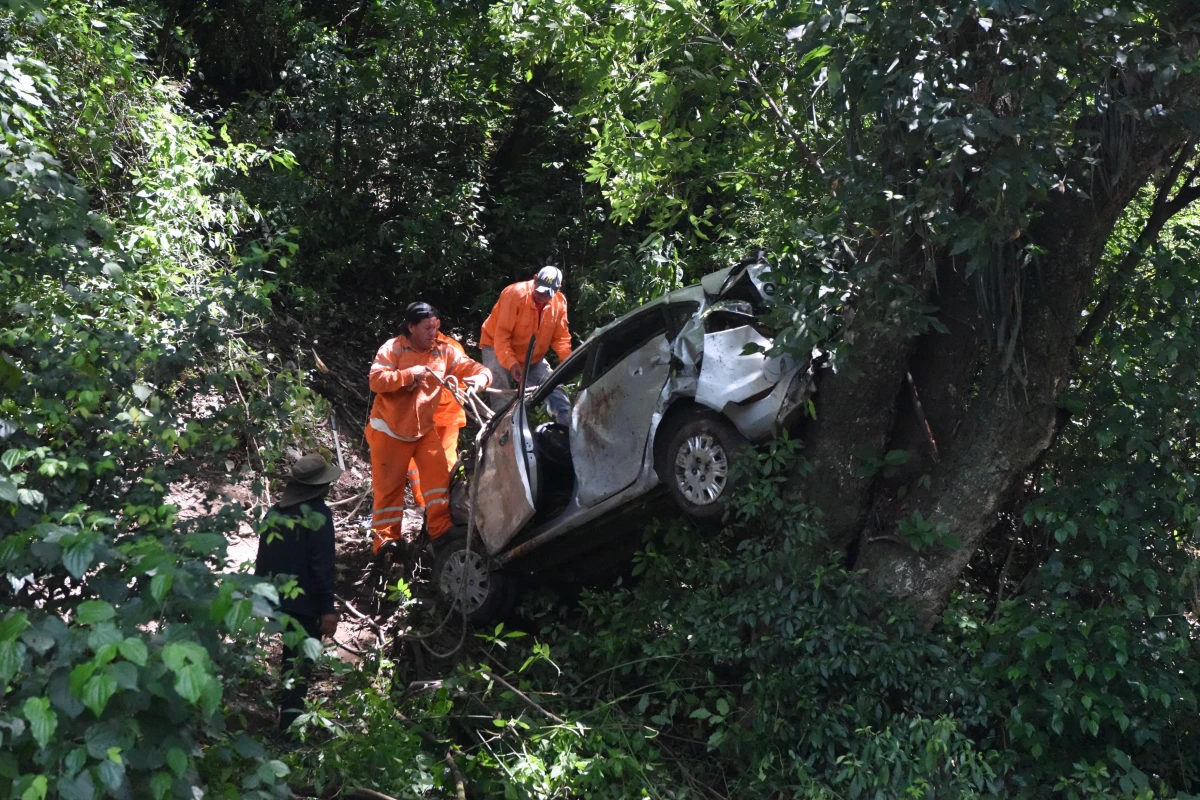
[120,289]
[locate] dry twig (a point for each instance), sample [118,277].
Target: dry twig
[493,677]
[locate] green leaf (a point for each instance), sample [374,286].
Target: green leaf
[176,656]
[98,691]
[160,784]
[112,774]
[103,635]
[134,650]
[12,656]
[237,615]
[8,491]
[160,584]
[722,706]
[13,626]
[177,760]
[190,681]
[125,675]
[78,558]
[42,719]
[80,676]
[93,611]
[37,789]
[817,52]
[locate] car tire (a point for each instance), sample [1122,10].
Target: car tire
[486,592]
[695,463]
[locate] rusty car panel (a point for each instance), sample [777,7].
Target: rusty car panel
[503,501]
[612,418]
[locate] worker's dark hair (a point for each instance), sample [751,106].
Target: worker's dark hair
[418,312]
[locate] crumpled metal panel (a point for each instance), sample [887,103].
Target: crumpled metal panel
[503,502]
[728,376]
[712,281]
[754,420]
[611,421]
[688,346]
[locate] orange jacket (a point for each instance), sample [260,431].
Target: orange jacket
[513,321]
[449,413]
[403,410]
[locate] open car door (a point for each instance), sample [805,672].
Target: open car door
[502,489]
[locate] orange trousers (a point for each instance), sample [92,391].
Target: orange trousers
[450,445]
[389,467]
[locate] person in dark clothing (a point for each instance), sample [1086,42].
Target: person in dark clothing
[296,538]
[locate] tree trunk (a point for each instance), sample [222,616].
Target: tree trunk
[987,439]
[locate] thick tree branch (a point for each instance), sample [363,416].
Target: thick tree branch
[1163,208]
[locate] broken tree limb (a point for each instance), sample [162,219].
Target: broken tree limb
[460,783]
[350,499]
[371,794]
[493,677]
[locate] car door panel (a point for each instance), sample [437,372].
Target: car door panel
[611,421]
[504,501]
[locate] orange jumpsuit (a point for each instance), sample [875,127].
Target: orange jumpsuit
[515,319]
[401,429]
[448,420]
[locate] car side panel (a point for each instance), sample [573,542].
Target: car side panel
[611,422]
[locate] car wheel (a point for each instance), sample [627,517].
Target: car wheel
[695,464]
[466,576]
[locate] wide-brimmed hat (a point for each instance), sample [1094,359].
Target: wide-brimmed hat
[309,477]
[548,281]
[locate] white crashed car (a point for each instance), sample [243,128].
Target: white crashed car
[662,398]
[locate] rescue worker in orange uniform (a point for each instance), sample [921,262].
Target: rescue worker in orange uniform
[449,420]
[401,428]
[534,309]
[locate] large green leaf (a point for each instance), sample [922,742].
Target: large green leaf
[93,611]
[42,719]
[13,625]
[134,650]
[190,682]
[12,655]
[78,558]
[98,691]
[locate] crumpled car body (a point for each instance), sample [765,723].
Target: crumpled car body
[690,367]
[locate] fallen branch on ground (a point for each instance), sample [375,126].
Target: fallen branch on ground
[346,500]
[493,677]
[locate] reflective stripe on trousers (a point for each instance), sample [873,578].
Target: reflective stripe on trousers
[389,472]
[449,438]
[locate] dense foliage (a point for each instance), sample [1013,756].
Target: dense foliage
[121,294]
[169,170]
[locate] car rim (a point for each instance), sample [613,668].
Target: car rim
[466,576]
[701,469]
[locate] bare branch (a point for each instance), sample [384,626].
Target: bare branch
[492,677]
